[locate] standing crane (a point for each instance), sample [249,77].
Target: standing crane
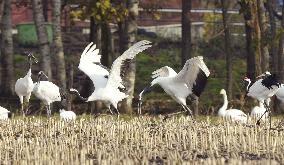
[24,86]
[263,89]
[190,80]
[107,84]
[231,114]
[47,92]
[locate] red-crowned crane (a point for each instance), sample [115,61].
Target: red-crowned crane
[107,85]
[24,86]
[231,114]
[47,92]
[190,80]
[262,89]
[280,93]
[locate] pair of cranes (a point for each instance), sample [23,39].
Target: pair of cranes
[46,91]
[190,80]
[266,86]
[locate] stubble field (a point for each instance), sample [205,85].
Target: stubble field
[139,140]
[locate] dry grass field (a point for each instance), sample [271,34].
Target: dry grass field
[144,140]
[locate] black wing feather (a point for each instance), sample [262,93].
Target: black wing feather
[271,80]
[200,83]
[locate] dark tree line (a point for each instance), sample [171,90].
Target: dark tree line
[100,12]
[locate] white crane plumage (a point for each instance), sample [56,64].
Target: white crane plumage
[190,80]
[231,114]
[280,93]
[107,84]
[3,113]
[24,86]
[259,110]
[262,89]
[47,92]
[67,115]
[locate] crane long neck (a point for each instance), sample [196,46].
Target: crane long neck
[249,82]
[80,97]
[225,105]
[29,74]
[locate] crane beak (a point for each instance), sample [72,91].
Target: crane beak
[42,73]
[260,75]
[30,55]
[45,75]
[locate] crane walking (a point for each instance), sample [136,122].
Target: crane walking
[263,89]
[190,80]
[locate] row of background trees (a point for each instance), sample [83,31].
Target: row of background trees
[100,12]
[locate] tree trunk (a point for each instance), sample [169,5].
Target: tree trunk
[281,50]
[249,45]
[256,37]
[1,9]
[263,39]
[7,53]
[42,37]
[277,103]
[70,74]
[273,43]
[127,38]
[228,51]
[105,44]
[57,44]
[45,10]
[95,32]
[186,31]
[95,36]
[253,35]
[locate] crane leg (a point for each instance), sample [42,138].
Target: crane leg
[139,107]
[22,109]
[267,110]
[269,113]
[110,110]
[117,112]
[27,100]
[188,110]
[22,105]
[48,111]
[184,110]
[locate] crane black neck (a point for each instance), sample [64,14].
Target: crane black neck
[30,63]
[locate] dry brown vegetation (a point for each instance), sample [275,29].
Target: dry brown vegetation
[144,140]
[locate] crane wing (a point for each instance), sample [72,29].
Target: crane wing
[91,54]
[115,79]
[91,66]
[194,74]
[163,72]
